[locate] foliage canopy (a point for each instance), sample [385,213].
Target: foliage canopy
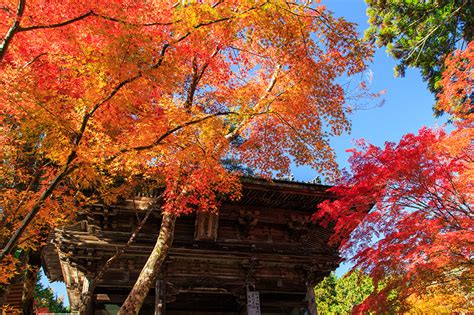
[421,191]
[99,97]
[340,295]
[421,34]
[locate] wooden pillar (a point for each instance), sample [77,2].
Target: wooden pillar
[311,300]
[86,306]
[29,281]
[160,296]
[73,279]
[253,301]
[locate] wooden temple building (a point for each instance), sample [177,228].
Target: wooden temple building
[259,255]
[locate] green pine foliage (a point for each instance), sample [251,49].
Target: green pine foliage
[45,297]
[340,295]
[420,33]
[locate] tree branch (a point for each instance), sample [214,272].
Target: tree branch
[13,29]
[195,79]
[256,108]
[55,25]
[93,14]
[292,128]
[169,133]
[7,249]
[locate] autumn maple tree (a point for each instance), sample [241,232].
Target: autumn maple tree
[456,96]
[405,215]
[99,97]
[404,212]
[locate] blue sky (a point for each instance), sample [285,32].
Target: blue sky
[407,102]
[407,106]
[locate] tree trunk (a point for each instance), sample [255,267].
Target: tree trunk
[86,297]
[4,289]
[27,300]
[148,275]
[29,282]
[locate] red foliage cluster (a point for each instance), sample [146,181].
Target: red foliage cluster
[405,215]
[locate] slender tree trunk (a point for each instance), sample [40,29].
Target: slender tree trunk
[148,275]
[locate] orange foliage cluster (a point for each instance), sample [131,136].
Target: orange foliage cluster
[439,300]
[100,95]
[457,93]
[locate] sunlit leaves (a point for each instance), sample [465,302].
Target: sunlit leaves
[405,213]
[456,96]
[340,295]
[100,97]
